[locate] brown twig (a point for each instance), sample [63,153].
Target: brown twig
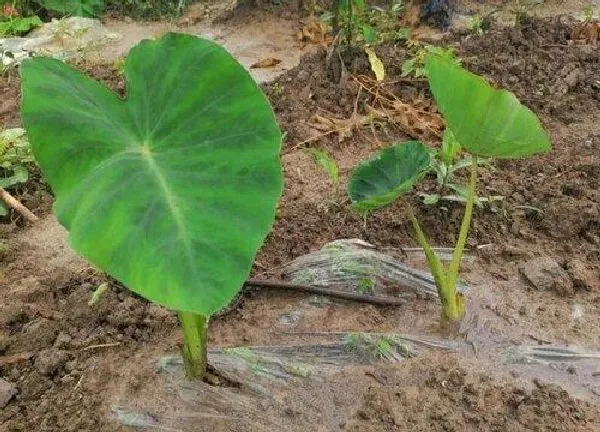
[386,301]
[11,202]
[107,345]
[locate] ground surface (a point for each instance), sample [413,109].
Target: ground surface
[71,362]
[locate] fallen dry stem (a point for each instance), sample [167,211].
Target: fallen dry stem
[106,345]
[416,119]
[386,301]
[14,204]
[344,128]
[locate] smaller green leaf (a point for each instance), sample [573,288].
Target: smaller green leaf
[327,163]
[403,33]
[408,66]
[3,210]
[430,199]
[463,163]
[450,147]
[97,294]
[461,190]
[19,26]
[82,8]
[391,172]
[8,182]
[369,34]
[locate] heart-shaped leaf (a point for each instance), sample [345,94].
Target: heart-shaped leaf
[171,190]
[389,173]
[485,121]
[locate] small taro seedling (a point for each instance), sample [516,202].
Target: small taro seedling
[445,162]
[485,122]
[170,190]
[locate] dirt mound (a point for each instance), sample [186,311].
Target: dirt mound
[450,398]
[539,62]
[554,196]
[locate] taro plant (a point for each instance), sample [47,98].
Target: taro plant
[445,162]
[172,189]
[486,122]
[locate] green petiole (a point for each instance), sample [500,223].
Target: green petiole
[194,328]
[445,278]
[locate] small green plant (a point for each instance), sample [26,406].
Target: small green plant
[475,24]
[588,14]
[171,190]
[445,162]
[479,24]
[361,24]
[373,347]
[15,157]
[98,293]
[521,8]
[17,25]
[415,65]
[278,89]
[325,161]
[365,286]
[485,122]
[82,8]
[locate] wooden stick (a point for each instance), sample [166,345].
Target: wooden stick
[11,202]
[386,301]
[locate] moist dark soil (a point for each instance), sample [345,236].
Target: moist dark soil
[69,360]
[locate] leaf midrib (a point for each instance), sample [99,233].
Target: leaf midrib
[171,202]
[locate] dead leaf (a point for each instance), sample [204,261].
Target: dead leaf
[587,32]
[376,64]
[417,119]
[266,63]
[9,11]
[316,32]
[343,128]
[190,20]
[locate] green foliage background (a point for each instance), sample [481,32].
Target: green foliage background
[149,9]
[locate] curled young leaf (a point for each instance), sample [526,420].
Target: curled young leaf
[486,121]
[391,172]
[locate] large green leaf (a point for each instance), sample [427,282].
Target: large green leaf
[389,173]
[171,190]
[82,8]
[485,121]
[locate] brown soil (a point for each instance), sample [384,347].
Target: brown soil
[452,397]
[71,361]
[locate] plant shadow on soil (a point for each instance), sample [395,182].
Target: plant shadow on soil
[71,362]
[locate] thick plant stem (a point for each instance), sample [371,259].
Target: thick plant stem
[437,268]
[453,308]
[464,227]
[195,329]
